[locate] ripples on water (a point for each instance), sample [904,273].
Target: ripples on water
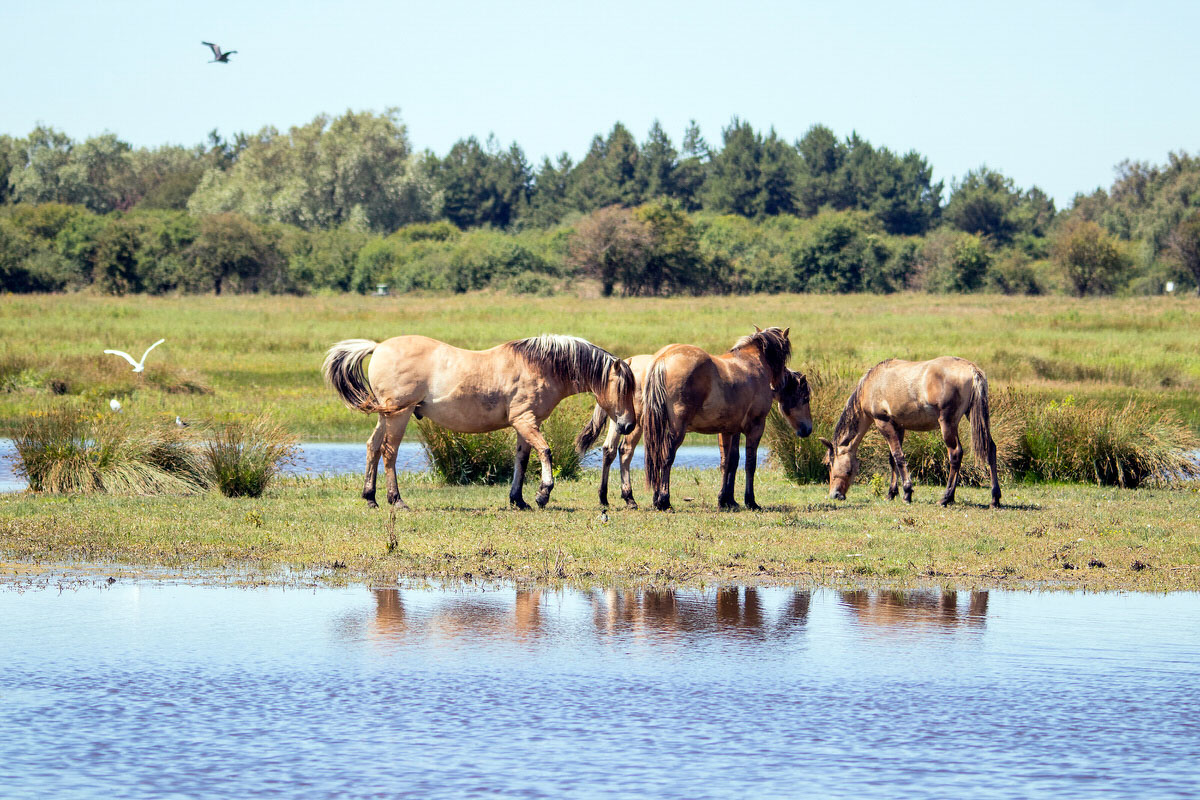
[151,691]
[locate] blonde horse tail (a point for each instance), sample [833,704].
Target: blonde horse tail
[590,432]
[981,436]
[343,371]
[656,426]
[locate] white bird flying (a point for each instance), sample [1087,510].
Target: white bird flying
[138,366]
[218,56]
[114,405]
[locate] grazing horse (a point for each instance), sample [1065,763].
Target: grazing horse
[687,389]
[793,398]
[516,384]
[901,396]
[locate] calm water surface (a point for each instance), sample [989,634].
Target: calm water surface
[141,691]
[340,458]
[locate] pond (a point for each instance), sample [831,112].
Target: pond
[339,458]
[159,689]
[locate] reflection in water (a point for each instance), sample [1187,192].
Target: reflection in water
[184,691]
[904,611]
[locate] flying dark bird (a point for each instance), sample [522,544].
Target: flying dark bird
[217,54]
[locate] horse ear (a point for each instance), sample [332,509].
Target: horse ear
[757,329]
[827,443]
[786,331]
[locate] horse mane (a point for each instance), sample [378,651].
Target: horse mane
[847,423]
[794,390]
[572,360]
[775,348]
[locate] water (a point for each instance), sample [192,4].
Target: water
[141,691]
[340,458]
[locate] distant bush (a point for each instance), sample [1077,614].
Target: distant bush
[242,456]
[66,450]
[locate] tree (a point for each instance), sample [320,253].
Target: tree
[988,203]
[610,244]
[1089,258]
[233,250]
[482,186]
[318,174]
[116,269]
[549,201]
[821,158]
[608,173]
[674,262]
[692,169]
[656,164]
[1184,246]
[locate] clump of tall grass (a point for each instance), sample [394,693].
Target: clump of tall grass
[66,450]
[243,455]
[1065,440]
[487,458]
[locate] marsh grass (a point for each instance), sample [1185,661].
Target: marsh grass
[459,459]
[64,450]
[243,455]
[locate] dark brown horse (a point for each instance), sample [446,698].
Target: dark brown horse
[688,389]
[516,385]
[792,397]
[898,396]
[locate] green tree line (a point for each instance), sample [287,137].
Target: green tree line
[345,203]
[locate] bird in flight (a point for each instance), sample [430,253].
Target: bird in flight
[138,366]
[217,54]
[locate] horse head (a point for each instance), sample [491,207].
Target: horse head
[793,397]
[616,396]
[843,467]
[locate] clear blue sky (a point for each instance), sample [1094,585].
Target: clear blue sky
[1050,93]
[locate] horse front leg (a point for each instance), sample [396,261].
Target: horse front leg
[752,439]
[516,496]
[628,445]
[955,452]
[392,436]
[609,453]
[894,439]
[728,443]
[529,429]
[374,450]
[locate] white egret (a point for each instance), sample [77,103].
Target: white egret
[114,405]
[138,366]
[180,422]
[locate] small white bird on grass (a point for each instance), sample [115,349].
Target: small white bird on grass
[180,422]
[138,366]
[114,405]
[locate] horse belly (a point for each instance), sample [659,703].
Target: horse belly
[468,413]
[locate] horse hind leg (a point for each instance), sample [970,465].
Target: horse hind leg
[534,436]
[393,434]
[662,494]
[729,461]
[955,452]
[374,448]
[894,488]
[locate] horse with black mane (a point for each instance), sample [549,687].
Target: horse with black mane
[516,384]
[687,389]
[898,396]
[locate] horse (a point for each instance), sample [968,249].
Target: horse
[792,397]
[899,396]
[687,389]
[516,384]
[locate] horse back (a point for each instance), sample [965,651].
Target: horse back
[915,394]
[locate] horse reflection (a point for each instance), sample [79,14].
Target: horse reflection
[729,610]
[458,618]
[900,611]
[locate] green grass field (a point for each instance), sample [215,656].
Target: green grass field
[1047,536]
[236,354]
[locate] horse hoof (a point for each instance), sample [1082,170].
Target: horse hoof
[946,501]
[752,506]
[630,503]
[372,504]
[519,504]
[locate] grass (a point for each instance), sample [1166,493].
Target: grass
[243,455]
[1048,536]
[63,450]
[247,354]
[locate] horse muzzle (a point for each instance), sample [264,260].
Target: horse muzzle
[837,495]
[804,429]
[625,428]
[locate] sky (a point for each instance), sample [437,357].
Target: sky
[1051,94]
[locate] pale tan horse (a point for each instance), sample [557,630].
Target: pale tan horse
[516,384]
[898,396]
[792,396]
[687,389]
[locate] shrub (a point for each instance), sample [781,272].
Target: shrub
[1091,260]
[66,450]
[244,455]
[487,458]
